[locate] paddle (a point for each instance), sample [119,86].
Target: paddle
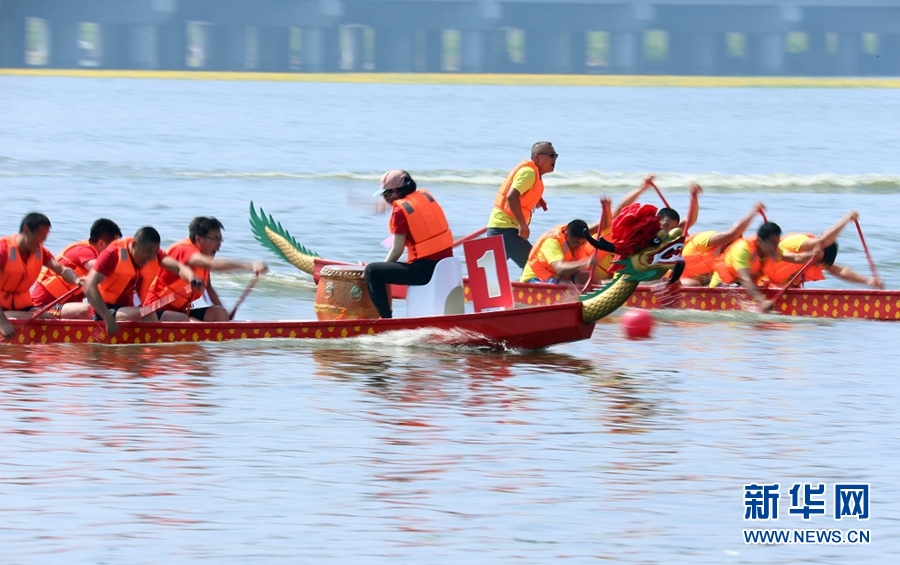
[471,236]
[151,308]
[46,307]
[866,249]
[650,182]
[794,278]
[243,296]
[763,214]
[604,219]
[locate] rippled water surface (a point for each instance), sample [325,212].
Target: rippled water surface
[388,449]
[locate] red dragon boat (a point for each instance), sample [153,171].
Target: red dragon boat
[821,303]
[532,327]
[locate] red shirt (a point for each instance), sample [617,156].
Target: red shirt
[106,264]
[399,226]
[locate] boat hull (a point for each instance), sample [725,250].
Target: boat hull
[520,328]
[817,303]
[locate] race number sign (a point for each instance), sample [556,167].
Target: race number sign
[489,287]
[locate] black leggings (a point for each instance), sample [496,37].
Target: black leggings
[416,273]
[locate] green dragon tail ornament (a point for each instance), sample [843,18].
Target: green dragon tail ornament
[278,240]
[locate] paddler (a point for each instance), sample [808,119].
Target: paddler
[21,258]
[519,194]
[742,262]
[702,249]
[112,281]
[418,224]
[80,257]
[779,273]
[198,251]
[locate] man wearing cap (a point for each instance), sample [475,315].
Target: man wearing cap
[517,198]
[418,224]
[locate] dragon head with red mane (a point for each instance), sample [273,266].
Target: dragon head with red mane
[644,251]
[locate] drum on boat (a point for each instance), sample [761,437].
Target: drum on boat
[342,294]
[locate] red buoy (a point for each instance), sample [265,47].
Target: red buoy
[637,323]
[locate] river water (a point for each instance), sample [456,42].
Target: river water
[389,450]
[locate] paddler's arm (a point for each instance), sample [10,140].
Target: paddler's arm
[694,207]
[66,273]
[6,326]
[180,269]
[721,239]
[514,200]
[830,235]
[750,286]
[849,275]
[213,295]
[566,268]
[213,264]
[801,258]
[92,293]
[397,246]
[632,196]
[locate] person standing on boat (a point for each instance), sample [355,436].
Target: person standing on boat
[742,262]
[781,272]
[80,257]
[521,192]
[21,258]
[111,284]
[703,249]
[417,223]
[198,251]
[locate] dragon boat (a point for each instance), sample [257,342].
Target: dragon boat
[818,303]
[533,327]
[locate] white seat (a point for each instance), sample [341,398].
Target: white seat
[442,295]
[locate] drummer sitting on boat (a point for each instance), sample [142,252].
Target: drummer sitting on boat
[780,273]
[417,223]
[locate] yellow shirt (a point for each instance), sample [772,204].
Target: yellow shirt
[522,182]
[550,251]
[738,256]
[698,244]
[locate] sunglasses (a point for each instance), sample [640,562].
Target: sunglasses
[551,155]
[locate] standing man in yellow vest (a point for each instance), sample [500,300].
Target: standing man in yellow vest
[517,197]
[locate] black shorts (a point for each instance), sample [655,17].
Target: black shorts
[113,308]
[196,313]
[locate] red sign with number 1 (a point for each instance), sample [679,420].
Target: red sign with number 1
[489,286]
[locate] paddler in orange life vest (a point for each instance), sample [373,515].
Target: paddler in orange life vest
[418,224]
[743,261]
[197,251]
[780,273]
[517,197]
[80,257]
[112,282]
[702,249]
[563,254]
[21,258]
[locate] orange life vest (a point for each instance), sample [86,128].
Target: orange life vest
[538,262]
[166,282]
[427,225]
[729,274]
[123,276]
[17,277]
[54,283]
[528,200]
[699,260]
[781,272]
